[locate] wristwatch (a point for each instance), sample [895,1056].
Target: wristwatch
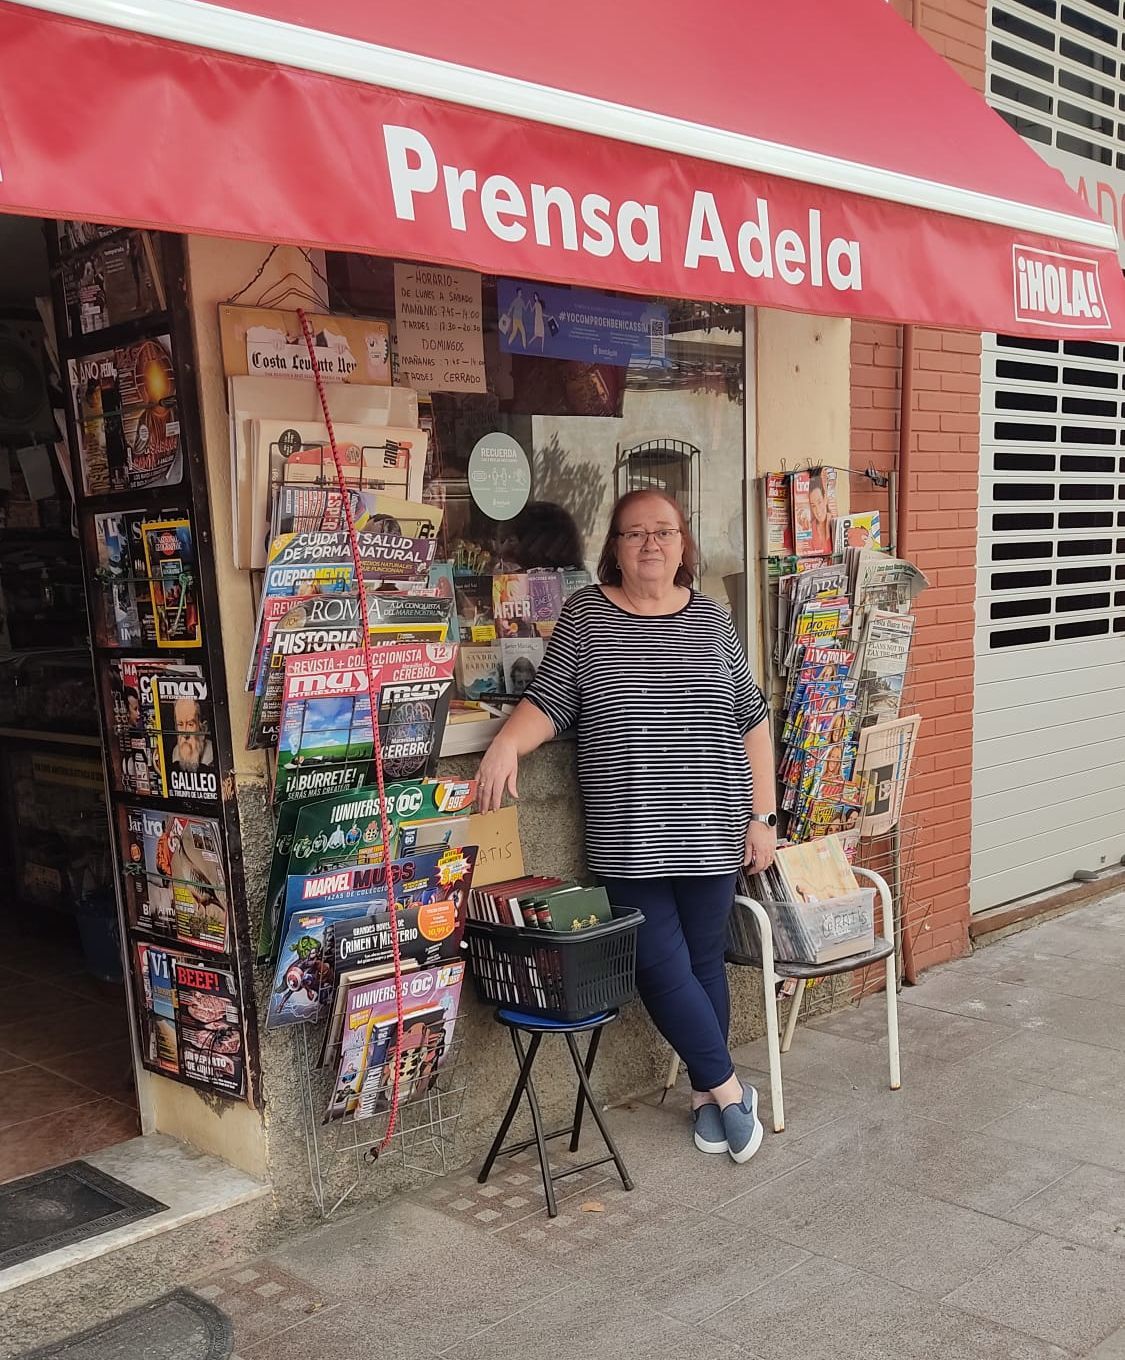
[766,818]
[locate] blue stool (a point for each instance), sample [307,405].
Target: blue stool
[518,1022]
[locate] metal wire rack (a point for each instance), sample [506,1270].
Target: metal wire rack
[341,1151]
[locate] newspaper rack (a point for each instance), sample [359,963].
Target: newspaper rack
[340,1150]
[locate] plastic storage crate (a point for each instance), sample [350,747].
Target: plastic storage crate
[807,932]
[558,975]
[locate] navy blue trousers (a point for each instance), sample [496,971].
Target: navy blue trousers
[681,975]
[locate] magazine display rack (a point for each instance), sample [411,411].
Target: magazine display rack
[340,1151]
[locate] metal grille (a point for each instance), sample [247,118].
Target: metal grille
[1049,703]
[1054,74]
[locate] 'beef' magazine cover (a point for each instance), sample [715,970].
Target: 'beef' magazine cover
[208,1028]
[126,411]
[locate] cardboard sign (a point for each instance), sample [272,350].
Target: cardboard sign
[499,853]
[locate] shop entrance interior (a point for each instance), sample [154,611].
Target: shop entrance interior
[66,1061]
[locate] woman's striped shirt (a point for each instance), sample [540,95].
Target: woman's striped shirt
[661,705]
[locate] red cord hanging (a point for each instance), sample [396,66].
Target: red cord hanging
[376,738]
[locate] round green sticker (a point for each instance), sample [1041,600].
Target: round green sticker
[499,476]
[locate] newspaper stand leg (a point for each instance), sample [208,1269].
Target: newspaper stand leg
[892,928]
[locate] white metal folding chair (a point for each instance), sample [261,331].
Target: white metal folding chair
[775,970]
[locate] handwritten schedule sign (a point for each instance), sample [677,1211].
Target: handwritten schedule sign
[440,344]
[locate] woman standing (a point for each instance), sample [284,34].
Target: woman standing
[676,769]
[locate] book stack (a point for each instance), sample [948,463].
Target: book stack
[541,904]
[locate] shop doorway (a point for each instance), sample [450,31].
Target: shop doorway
[66,1058]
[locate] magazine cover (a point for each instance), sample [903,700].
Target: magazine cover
[474,608]
[857,531]
[511,605]
[172,581]
[430,1000]
[118,281]
[161,994]
[305,509]
[520,657]
[326,716]
[779,516]
[388,557]
[161,730]
[122,581]
[174,877]
[208,1027]
[883,767]
[814,508]
[128,421]
[348,830]
[303,983]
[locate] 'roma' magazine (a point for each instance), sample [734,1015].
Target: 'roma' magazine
[326,741]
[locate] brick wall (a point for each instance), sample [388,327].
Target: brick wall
[940,536]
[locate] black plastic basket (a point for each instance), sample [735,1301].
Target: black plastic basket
[559,975]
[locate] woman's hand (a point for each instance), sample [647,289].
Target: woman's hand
[761,846]
[497,772]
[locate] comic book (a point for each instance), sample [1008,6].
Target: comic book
[175,883]
[330,623]
[815,870]
[208,1027]
[125,408]
[325,741]
[347,829]
[433,887]
[511,605]
[160,724]
[857,531]
[368,1059]
[172,581]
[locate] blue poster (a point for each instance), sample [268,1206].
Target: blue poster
[575,323]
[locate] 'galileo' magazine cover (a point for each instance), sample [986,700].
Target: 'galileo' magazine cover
[161,730]
[125,408]
[175,883]
[326,739]
[172,581]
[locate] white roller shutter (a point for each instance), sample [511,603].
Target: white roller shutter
[1049,709]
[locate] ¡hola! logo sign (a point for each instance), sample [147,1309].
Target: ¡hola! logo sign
[1061,291]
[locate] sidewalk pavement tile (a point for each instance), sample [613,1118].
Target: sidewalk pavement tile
[1077,977]
[261,1300]
[1081,1019]
[948,1334]
[912,1239]
[594,1323]
[922,1033]
[1087,1205]
[820,1308]
[1090,1130]
[385,1256]
[975,1170]
[1046,1061]
[359,1331]
[1054,1290]
[1112,1348]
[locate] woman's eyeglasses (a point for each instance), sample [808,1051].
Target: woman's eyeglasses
[636,537]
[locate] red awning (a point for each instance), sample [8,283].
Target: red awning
[815,156]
